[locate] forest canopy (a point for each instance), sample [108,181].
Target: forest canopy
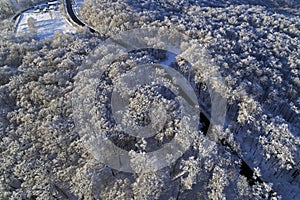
[253,47]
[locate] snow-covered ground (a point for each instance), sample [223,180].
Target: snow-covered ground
[77,5]
[46,23]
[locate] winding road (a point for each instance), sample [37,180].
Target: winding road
[72,16]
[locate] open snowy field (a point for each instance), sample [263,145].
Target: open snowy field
[43,23]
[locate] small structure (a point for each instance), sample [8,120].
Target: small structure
[53,2]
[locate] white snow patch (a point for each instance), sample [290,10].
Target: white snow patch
[46,23]
[77,6]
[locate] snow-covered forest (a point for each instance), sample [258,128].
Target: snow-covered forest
[9,7]
[137,75]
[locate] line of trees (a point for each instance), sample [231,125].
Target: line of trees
[9,7]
